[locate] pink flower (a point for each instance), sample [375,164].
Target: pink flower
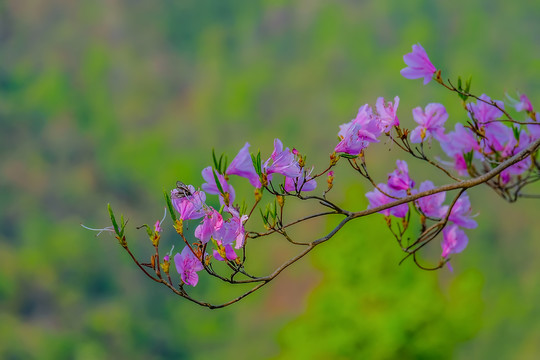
[484,112]
[431,205]
[157,226]
[232,229]
[387,113]
[523,165]
[211,187]
[224,252]
[418,65]
[377,198]
[524,104]
[459,142]
[304,182]
[359,132]
[187,266]
[212,223]
[534,130]
[431,123]
[399,179]
[283,161]
[461,213]
[189,206]
[242,165]
[499,138]
[454,240]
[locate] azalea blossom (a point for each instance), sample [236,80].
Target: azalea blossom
[399,179]
[524,104]
[212,223]
[431,123]
[242,165]
[282,161]
[210,185]
[189,206]
[418,65]
[454,241]
[387,113]
[460,141]
[500,138]
[357,134]
[187,266]
[484,112]
[304,182]
[461,213]
[377,198]
[431,205]
[522,166]
[224,252]
[232,229]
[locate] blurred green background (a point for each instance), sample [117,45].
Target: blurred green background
[113,101]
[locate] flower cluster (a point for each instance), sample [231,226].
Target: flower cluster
[190,204]
[491,147]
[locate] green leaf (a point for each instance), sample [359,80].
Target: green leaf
[113,220]
[218,184]
[214,158]
[468,85]
[257,163]
[515,129]
[169,206]
[122,225]
[347,156]
[218,168]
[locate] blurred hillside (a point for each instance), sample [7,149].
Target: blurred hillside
[113,101]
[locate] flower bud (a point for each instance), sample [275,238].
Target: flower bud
[333,159]
[258,194]
[264,180]
[280,200]
[165,265]
[330,180]
[179,226]
[155,239]
[122,241]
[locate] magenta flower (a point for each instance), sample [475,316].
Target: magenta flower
[187,266]
[358,133]
[524,104]
[283,161]
[387,113]
[190,206]
[431,205]
[224,252]
[418,65]
[377,198]
[484,112]
[499,138]
[212,223]
[534,130]
[242,165]
[211,187]
[399,179]
[431,123]
[523,165]
[157,226]
[460,141]
[304,182]
[454,241]
[461,213]
[232,229]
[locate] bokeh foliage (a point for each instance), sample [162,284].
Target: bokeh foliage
[114,101]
